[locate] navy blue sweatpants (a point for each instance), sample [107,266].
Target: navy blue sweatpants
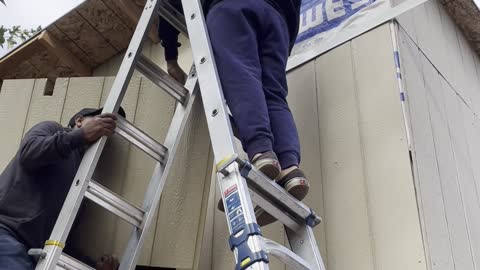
[13,254]
[250,41]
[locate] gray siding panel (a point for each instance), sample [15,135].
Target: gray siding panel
[436,234]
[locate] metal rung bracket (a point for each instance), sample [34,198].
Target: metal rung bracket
[278,196]
[286,256]
[115,204]
[140,139]
[162,79]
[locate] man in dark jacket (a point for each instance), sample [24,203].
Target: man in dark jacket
[35,184]
[252,40]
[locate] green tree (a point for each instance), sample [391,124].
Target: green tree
[15,35]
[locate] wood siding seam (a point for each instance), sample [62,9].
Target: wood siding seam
[64,100]
[204,209]
[413,160]
[459,185]
[157,211]
[322,172]
[418,189]
[28,108]
[468,153]
[435,151]
[362,153]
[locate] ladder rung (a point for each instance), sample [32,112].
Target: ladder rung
[267,206]
[140,139]
[286,256]
[171,15]
[162,79]
[114,203]
[279,198]
[68,263]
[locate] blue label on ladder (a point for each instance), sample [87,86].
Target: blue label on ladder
[234,209]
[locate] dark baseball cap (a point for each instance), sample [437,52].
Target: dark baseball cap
[90,112]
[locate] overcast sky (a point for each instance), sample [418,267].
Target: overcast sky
[32,13]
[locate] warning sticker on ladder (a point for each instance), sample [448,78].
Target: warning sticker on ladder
[234,208]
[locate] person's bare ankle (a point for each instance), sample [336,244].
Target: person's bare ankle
[287,171]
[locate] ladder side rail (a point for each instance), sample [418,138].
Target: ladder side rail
[245,234]
[161,173]
[85,171]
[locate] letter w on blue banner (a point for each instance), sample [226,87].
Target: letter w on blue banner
[318,16]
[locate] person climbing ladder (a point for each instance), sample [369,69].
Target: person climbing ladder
[251,41]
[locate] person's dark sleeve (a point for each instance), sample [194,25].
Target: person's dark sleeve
[48,142]
[168,34]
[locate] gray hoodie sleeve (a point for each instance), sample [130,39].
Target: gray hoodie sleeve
[48,142]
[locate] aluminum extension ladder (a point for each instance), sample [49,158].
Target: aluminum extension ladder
[250,248]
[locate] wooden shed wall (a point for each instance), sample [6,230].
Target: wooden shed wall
[442,81]
[347,108]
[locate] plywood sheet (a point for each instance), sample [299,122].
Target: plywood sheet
[46,107]
[342,164]
[391,196]
[106,22]
[44,63]
[72,46]
[85,36]
[15,96]
[113,5]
